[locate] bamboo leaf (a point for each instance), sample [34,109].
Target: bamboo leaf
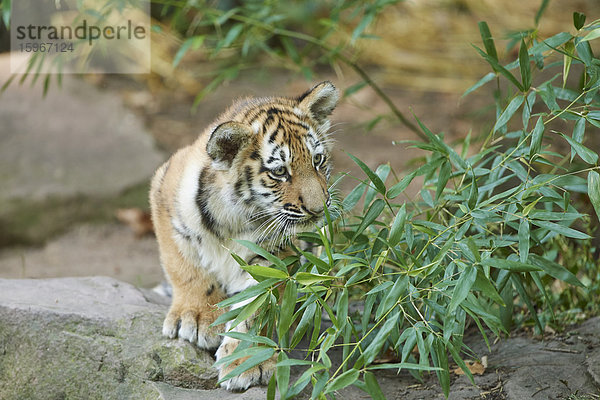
[6,13]
[382,172]
[440,359]
[248,293]
[529,102]
[555,270]
[373,387]
[286,314]
[345,379]
[362,25]
[259,357]
[263,253]
[379,185]
[259,270]
[444,175]
[400,287]
[249,310]
[536,138]
[354,88]
[271,388]
[372,214]
[488,41]
[401,186]
[483,284]
[353,197]
[306,278]
[595,34]
[593,181]
[524,66]
[567,60]
[232,34]
[462,288]
[561,229]
[404,365]
[303,325]
[518,284]
[459,361]
[486,78]
[473,194]
[397,228]
[508,112]
[513,266]
[497,67]
[375,346]
[250,338]
[191,43]
[523,240]
[586,154]
[321,265]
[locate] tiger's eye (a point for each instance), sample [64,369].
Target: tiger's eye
[318,159]
[281,171]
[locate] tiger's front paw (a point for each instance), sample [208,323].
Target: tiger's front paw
[192,325]
[258,375]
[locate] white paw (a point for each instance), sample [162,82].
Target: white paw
[259,375]
[185,326]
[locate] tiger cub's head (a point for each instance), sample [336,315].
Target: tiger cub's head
[276,155]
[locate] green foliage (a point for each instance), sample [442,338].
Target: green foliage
[298,35]
[493,232]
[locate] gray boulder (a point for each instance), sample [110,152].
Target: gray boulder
[91,338]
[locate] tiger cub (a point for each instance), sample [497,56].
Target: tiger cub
[259,172]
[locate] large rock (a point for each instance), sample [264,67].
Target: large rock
[87,338]
[76,140]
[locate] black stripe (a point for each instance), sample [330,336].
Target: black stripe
[183,232]
[274,134]
[210,290]
[209,222]
[237,189]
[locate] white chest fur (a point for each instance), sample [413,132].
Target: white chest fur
[201,247]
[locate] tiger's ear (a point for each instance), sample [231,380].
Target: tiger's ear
[226,141]
[320,100]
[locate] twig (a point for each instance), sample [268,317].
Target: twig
[382,95]
[557,350]
[540,390]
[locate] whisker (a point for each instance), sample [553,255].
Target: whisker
[265,234]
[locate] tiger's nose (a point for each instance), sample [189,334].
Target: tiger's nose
[314,203]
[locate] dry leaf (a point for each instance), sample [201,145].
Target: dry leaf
[476,367]
[138,220]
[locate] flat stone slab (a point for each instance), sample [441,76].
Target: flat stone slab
[76,140]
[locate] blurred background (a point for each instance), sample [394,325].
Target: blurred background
[77,151]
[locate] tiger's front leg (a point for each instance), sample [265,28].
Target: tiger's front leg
[194,306]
